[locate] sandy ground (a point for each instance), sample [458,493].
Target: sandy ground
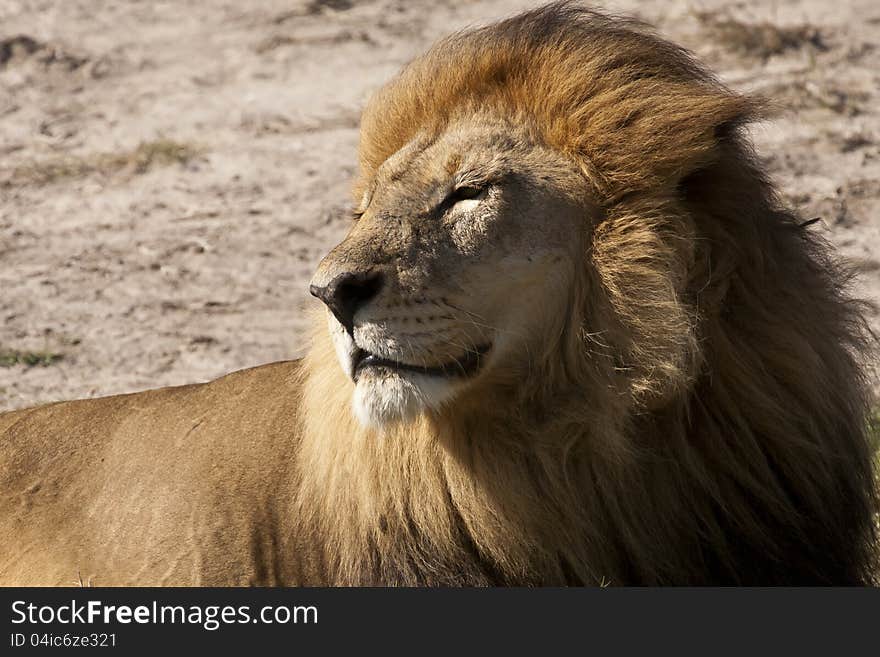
[171,172]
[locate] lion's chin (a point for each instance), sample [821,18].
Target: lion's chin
[383,399]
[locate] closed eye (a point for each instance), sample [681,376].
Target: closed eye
[465,197]
[465,193]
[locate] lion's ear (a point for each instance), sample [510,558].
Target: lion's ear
[650,136]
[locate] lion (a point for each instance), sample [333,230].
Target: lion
[573,337]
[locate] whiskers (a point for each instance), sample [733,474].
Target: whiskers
[480,323]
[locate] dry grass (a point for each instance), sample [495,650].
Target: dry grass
[761,40]
[147,155]
[22,47]
[12,357]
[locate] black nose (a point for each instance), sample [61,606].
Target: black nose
[346,293]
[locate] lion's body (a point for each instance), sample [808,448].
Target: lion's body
[669,388]
[179,486]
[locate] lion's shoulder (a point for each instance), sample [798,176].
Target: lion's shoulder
[252,401]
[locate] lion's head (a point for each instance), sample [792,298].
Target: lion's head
[568,270]
[519,207]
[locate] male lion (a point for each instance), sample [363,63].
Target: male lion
[573,338]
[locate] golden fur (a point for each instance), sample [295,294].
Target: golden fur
[698,418]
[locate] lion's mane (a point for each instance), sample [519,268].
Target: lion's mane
[702,418]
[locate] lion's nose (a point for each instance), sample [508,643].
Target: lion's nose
[347,293]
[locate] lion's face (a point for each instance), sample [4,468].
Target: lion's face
[458,266]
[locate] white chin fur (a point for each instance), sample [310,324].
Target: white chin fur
[382,399]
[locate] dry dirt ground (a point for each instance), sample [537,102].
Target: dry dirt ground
[171,172]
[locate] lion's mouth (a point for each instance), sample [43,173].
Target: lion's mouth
[466,365]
